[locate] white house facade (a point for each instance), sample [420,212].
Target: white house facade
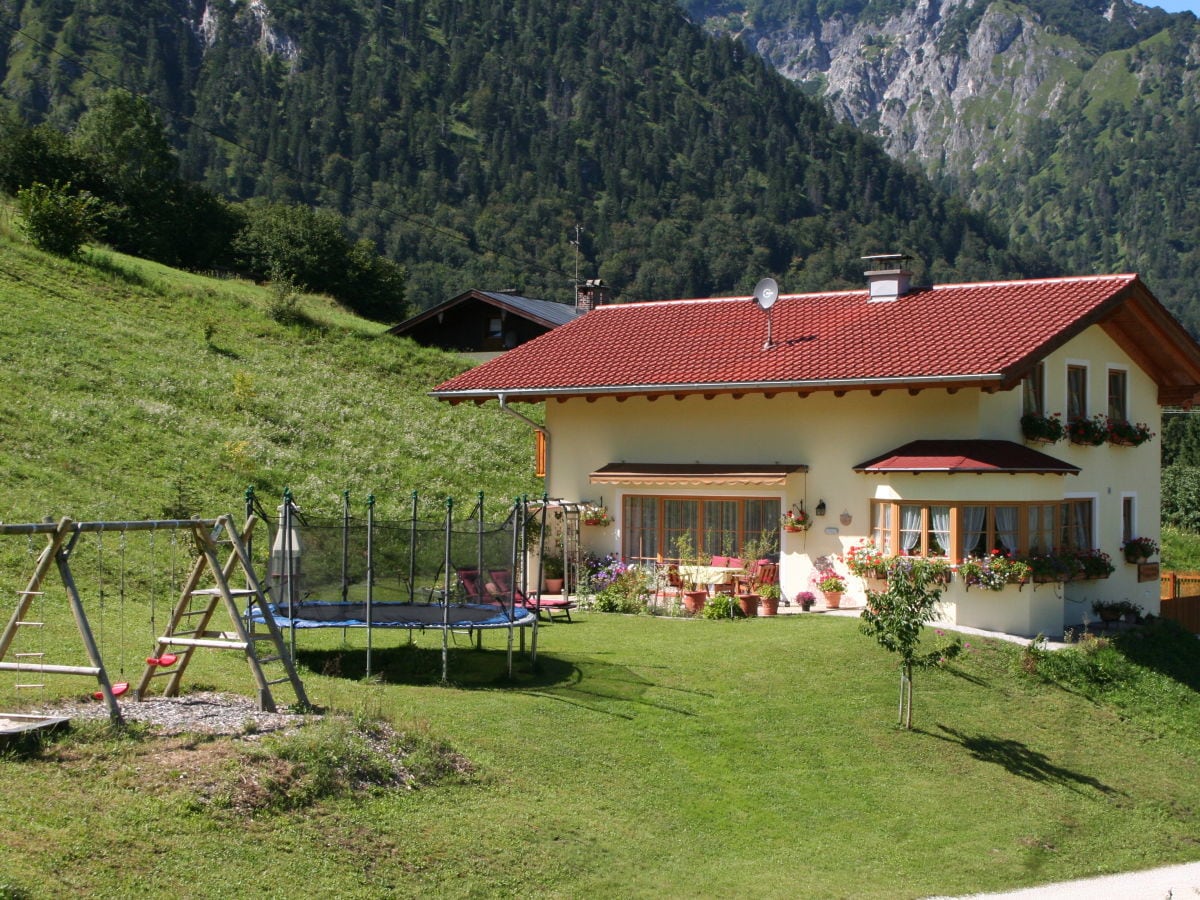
[887,415]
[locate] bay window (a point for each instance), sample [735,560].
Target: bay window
[977,529]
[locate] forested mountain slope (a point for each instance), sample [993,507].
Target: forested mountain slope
[692,166]
[1074,122]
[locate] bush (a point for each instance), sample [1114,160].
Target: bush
[55,219]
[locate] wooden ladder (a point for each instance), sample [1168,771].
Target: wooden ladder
[190,626]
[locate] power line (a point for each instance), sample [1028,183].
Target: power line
[419,222]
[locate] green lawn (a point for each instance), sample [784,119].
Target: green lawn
[654,757]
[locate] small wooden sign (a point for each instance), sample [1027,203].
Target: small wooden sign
[1148,572]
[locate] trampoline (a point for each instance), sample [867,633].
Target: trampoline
[330,614]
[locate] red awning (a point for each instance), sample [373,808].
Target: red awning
[967,456]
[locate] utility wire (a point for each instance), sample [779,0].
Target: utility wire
[419,222]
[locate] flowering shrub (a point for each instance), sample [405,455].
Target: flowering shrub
[616,586]
[919,570]
[1043,428]
[795,519]
[1093,431]
[993,572]
[1139,548]
[1127,433]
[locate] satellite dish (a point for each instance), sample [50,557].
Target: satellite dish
[766,292]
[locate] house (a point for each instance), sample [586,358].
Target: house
[488,323]
[891,414]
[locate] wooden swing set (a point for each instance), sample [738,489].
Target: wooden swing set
[190,627]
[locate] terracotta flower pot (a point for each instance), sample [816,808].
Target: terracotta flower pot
[833,600]
[554,585]
[693,601]
[769,606]
[749,604]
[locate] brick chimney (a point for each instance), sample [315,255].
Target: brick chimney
[590,294]
[888,280]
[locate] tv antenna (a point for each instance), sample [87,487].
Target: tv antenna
[766,292]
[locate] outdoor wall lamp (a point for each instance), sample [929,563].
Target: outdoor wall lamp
[820,510]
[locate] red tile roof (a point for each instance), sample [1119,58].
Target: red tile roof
[985,334]
[967,456]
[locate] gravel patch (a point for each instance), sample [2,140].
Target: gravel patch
[205,712]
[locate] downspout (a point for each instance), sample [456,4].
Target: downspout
[541,429]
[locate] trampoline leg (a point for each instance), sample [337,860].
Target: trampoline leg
[478,638]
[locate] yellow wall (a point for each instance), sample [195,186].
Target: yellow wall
[831,434]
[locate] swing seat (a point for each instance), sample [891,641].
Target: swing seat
[117,690]
[167,659]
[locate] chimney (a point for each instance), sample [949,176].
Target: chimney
[590,294]
[890,280]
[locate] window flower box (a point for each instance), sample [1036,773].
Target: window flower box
[1089,432]
[1128,434]
[1043,429]
[1139,549]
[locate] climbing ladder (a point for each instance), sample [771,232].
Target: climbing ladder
[190,627]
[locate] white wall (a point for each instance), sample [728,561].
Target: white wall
[831,434]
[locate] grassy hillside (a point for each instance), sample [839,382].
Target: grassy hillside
[128,389]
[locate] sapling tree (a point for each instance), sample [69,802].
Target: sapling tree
[896,617]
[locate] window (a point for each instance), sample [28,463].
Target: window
[495,327]
[1118,407]
[717,525]
[1128,518]
[978,529]
[924,530]
[1034,386]
[1077,406]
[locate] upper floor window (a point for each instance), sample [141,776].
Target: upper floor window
[1077,399]
[1118,391]
[1034,389]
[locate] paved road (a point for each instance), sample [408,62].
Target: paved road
[1169,883]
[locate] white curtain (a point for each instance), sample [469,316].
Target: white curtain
[973,518]
[1006,527]
[910,528]
[939,524]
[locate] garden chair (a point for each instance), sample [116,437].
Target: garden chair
[502,579]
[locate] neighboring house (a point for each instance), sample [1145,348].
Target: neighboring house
[490,322]
[890,414]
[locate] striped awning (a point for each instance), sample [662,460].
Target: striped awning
[695,474]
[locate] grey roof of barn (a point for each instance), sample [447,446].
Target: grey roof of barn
[545,312]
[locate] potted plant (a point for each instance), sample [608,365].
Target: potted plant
[749,604]
[596,515]
[1127,434]
[1091,432]
[695,595]
[770,595]
[806,599]
[832,586]
[552,573]
[795,520]
[867,561]
[1139,549]
[1114,610]
[1043,429]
